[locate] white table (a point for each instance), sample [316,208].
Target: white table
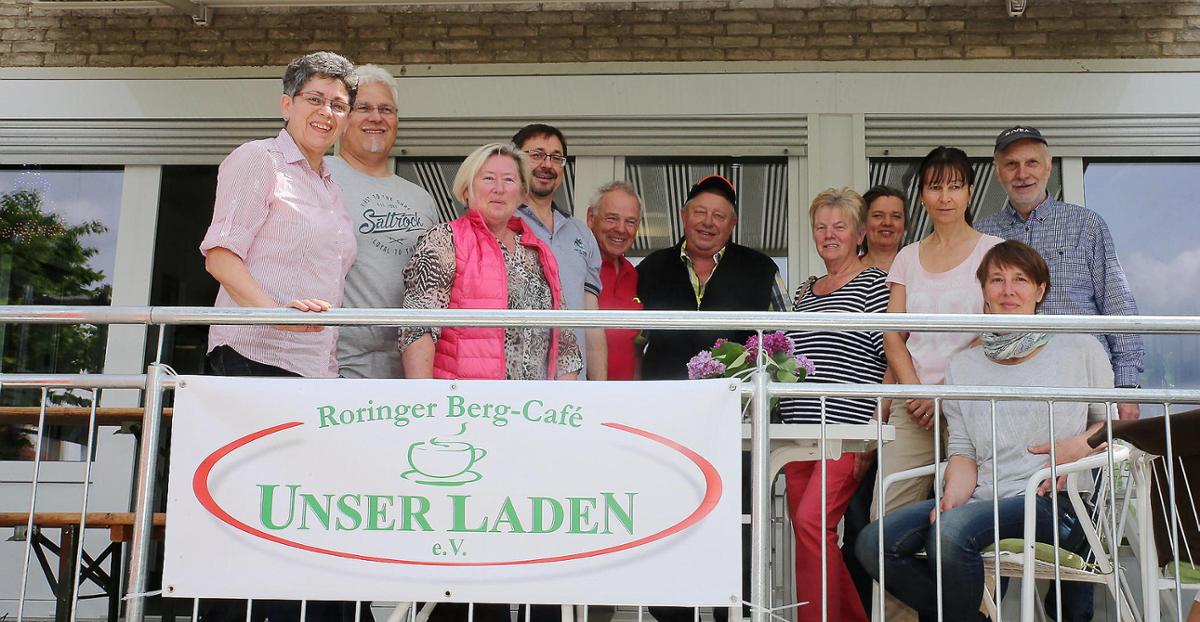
[800,441]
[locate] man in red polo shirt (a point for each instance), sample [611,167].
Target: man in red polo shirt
[614,216]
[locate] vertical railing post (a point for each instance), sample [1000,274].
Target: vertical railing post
[1143,500]
[1173,509]
[33,495]
[1110,412]
[143,509]
[760,484]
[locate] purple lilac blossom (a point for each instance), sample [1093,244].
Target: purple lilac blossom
[778,343]
[703,365]
[720,342]
[809,367]
[752,348]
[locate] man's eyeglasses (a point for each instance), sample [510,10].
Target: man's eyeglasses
[384,110]
[539,156]
[318,100]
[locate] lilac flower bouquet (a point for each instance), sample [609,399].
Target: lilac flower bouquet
[728,359]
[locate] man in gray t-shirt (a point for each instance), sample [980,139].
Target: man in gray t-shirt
[389,215]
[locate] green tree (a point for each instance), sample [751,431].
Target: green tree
[44,260]
[47,254]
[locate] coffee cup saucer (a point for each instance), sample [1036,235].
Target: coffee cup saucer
[466,477]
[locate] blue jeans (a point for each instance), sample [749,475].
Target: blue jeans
[1078,604]
[966,530]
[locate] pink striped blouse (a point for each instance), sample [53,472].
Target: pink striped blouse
[288,223]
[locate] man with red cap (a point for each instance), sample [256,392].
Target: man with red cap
[705,271]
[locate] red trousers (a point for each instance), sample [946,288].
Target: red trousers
[804,505]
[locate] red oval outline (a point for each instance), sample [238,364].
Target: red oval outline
[713,488]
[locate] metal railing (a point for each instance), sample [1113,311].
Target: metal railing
[761,389]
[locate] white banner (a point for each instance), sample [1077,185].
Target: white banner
[429,490]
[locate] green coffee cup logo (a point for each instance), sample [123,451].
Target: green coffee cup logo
[441,462]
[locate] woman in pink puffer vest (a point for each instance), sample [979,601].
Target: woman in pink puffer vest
[486,260]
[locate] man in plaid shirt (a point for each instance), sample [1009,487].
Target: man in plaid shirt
[1085,276]
[1085,279]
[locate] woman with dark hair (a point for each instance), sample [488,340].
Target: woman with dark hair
[1014,280]
[884,220]
[280,235]
[934,275]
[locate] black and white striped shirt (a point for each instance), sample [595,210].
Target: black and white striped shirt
[840,357]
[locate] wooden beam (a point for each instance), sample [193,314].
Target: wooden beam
[69,415]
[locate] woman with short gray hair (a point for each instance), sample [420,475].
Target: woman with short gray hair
[848,286]
[280,236]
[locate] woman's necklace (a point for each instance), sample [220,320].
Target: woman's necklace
[507,241]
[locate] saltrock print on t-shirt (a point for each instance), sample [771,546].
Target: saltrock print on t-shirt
[391,224]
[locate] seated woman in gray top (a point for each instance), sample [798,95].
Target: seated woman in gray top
[1014,280]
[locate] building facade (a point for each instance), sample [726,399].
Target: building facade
[119,116]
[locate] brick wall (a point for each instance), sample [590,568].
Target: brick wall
[731,30]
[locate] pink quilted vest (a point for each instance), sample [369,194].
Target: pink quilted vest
[481,282]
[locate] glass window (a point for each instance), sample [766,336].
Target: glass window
[185,211]
[436,176]
[1150,209]
[185,207]
[663,184]
[988,198]
[58,247]
[761,185]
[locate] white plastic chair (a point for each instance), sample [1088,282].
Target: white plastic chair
[1093,523]
[1151,488]
[1162,600]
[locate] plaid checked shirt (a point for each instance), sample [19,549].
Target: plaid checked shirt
[1085,276]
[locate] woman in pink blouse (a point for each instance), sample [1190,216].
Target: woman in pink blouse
[280,235]
[933,275]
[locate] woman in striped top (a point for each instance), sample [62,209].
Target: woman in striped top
[849,286]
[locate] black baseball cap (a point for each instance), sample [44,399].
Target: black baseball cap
[1019,132]
[717,184]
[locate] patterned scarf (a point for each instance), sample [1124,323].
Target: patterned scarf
[1007,346]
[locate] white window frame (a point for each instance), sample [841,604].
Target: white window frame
[827,119]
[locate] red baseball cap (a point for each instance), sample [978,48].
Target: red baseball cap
[717,184]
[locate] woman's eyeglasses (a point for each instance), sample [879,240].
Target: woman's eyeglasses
[318,100]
